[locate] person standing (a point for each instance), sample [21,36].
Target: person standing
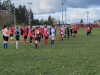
[75,29]
[17,36]
[68,32]
[5,36]
[40,32]
[31,35]
[11,34]
[53,34]
[25,34]
[62,32]
[65,31]
[21,32]
[71,30]
[36,37]
[88,31]
[46,34]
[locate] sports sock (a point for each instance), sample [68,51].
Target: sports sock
[16,46]
[51,41]
[46,41]
[4,45]
[25,40]
[35,46]
[62,39]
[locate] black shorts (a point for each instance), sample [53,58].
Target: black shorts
[75,32]
[36,38]
[5,38]
[17,37]
[11,35]
[46,37]
[31,38]
[25,37]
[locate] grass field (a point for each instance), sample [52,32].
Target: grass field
[76,56]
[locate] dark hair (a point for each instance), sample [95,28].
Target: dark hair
[53,26]
[45,26]
[17,27]
[37,27]
[30,26]
[4,26]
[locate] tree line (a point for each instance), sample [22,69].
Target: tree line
[21,14]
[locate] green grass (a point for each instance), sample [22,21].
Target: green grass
[77,56]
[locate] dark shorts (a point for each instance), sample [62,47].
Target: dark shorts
[46,37]
[75,32]
[36,38]
[89,32]
[25,37]
[17,37]
[5,38]
[31,38]
[11,35]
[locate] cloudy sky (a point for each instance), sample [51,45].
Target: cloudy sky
[76,9]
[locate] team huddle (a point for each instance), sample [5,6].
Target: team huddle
[37,33]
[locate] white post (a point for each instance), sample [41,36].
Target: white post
[62,3]
[29,15]
[87,16]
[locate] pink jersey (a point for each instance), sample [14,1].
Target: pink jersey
[46,32]
[5,32]
[61,30]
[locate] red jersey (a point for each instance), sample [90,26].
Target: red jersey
[11,30]
[24,32]
[75,28]
[31,34]
[61,30]
[46,32]
[40,30]
[88,29]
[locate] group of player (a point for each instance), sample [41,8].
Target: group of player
[34,33]
[38,33]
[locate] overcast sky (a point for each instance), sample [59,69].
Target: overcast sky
[76,9]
